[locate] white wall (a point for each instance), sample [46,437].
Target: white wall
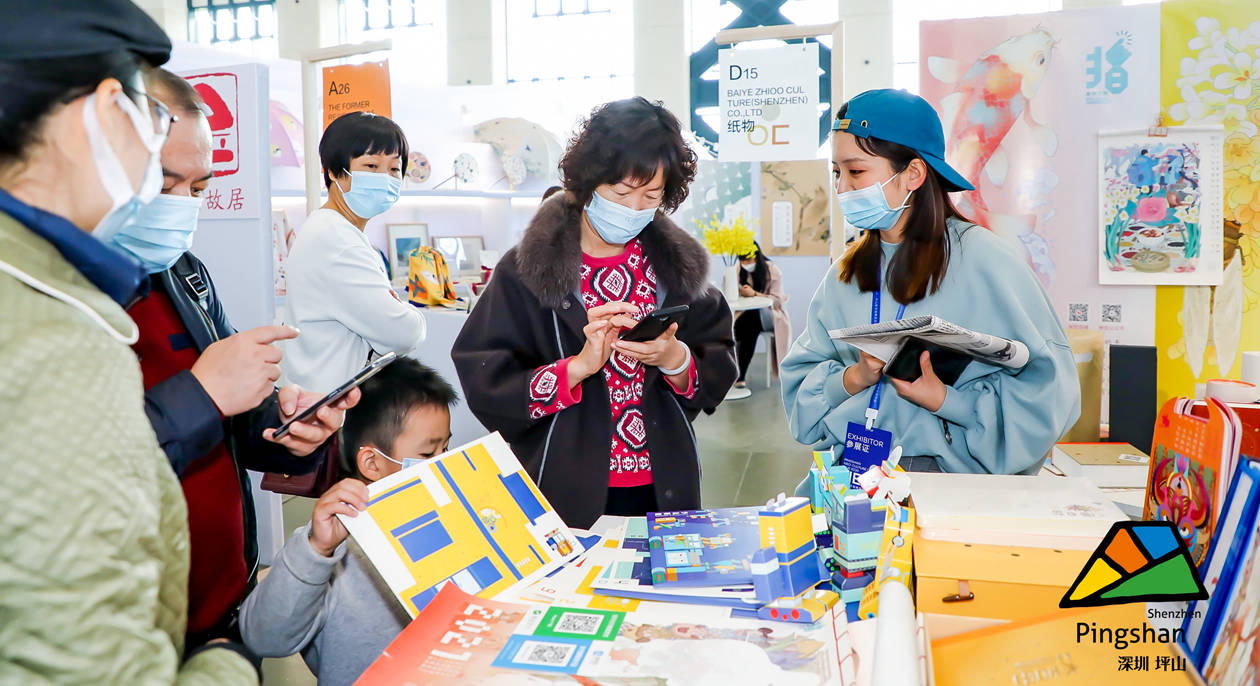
[661,67]
[470,42]
[868,54]
[171,15]
[305,25]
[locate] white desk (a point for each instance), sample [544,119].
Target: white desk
[751,303]
[741,305]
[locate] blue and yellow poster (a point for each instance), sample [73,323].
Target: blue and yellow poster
[471,517]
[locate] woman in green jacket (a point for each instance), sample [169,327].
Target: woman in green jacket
[93,532]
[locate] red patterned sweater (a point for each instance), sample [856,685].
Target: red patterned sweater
[626,277]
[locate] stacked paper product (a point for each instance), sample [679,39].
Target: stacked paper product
[1107,465]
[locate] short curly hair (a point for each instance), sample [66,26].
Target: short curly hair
[631,139]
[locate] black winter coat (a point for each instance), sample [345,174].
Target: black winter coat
[531,314]
[185,419]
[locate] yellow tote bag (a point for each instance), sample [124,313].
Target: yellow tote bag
[429,279]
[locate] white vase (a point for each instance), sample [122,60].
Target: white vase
[730,282]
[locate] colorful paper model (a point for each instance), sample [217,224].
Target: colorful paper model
[856,532]
[895,560]
[787,567]
[885,483]
[828,483]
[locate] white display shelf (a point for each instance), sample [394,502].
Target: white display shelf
[439,193]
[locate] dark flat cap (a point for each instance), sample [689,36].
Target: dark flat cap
[34,29]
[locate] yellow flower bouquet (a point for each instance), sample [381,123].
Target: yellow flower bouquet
[728,241]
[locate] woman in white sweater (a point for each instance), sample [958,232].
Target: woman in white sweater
[339,294]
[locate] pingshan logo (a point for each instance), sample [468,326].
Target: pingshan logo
[1137,562]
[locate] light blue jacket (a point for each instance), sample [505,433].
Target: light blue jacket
[993,420]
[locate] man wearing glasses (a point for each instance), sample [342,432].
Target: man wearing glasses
[209,391]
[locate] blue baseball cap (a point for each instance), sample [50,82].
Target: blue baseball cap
[900,117]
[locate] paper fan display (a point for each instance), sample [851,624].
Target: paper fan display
[514,168]
[286,137]
[418,169]
[465,168]
[513,137]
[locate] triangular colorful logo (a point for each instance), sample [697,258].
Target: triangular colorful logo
[1137,562]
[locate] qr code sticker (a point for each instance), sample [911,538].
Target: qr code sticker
[544,654]
[1111,314]
[578,623]
[1078,312]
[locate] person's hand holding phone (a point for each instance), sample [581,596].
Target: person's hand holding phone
[603,325]
[240,371]
[348,497]
[666,351]
[304,437]
[863,374]
[928,391]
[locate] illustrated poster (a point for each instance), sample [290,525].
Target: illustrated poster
[1022,98]
[1159,207]
[795,204]
[471,517]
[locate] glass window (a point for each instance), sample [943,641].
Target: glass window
[908,13]
[417,28]
[244,26]
[560,8]
[550,40]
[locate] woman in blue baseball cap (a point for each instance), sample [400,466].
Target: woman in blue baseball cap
[920,257]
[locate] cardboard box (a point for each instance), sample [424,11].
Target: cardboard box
[996,582]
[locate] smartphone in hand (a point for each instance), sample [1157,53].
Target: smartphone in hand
[340,392]
[655,324]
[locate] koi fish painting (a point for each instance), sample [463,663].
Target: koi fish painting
[988,99]
[1021,99]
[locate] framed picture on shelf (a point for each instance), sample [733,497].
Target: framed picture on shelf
[462,254]
[403,238]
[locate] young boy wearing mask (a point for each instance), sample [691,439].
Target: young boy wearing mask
[322,596]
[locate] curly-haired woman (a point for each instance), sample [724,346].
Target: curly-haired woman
[604,425]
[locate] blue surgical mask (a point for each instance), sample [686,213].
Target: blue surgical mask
[371,193]
[161,232]
[125,201]
[616,223]
[408,462]
[867,208]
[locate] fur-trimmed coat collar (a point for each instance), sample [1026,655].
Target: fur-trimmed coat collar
[549,257]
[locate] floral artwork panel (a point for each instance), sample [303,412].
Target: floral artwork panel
[1160,207]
